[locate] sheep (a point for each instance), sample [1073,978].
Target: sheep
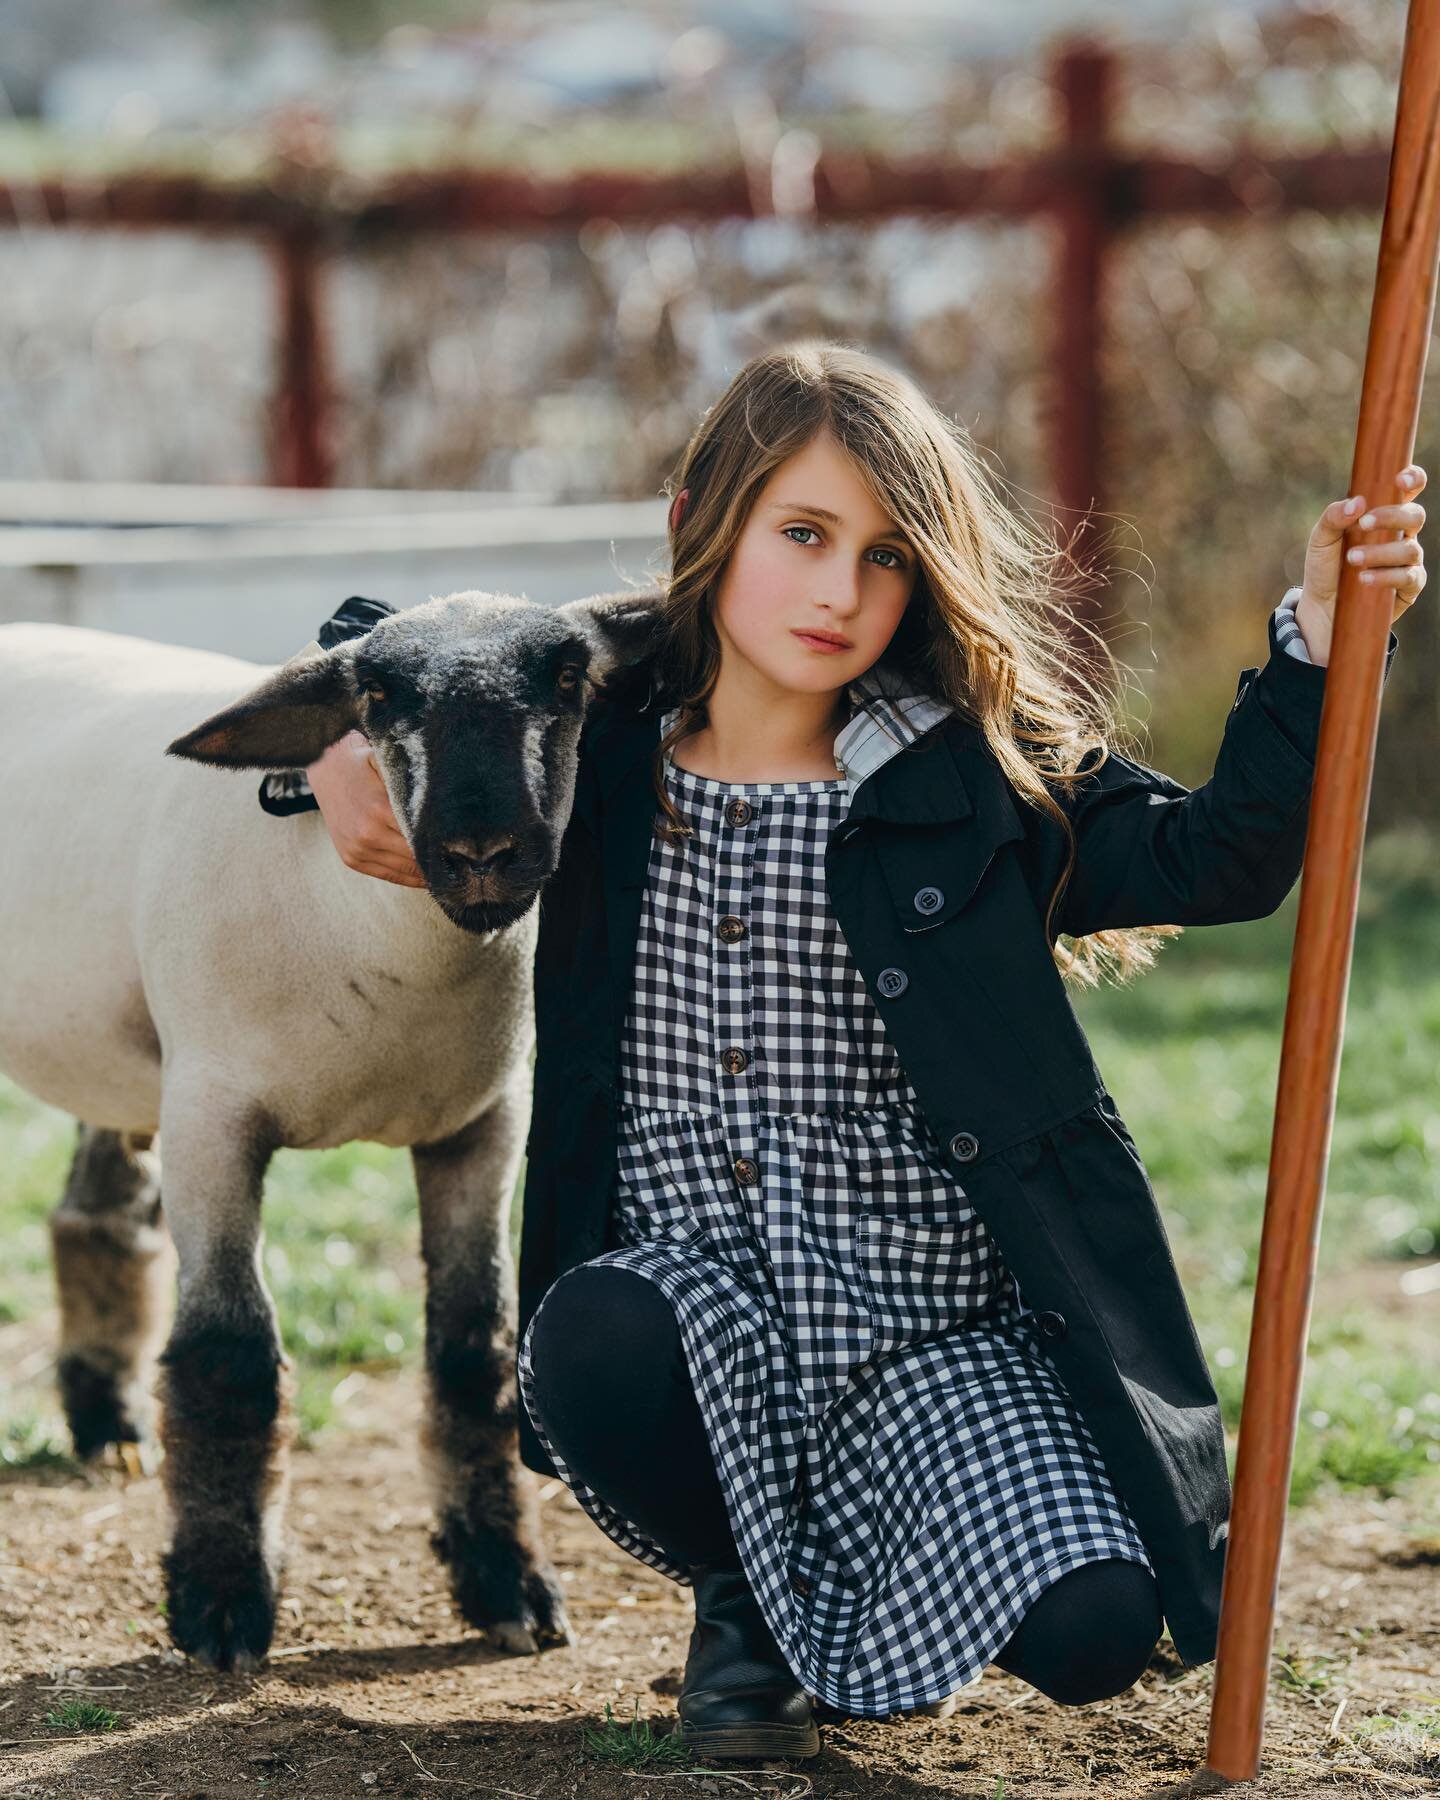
[192,977]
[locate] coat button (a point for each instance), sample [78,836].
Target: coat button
[964,1146]
[800,1584]
[929,900]
[738,812]
[733,1060]
[1052,1324]
[747,1170]
[730,927]
[892,982]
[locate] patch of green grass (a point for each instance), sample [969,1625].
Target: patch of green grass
[1304,1674]
[1407,1741]
[38,1142]
[81,1715]
[28,1441]
[340,1253]
[1369,1406]
[1191,1052]
[634,1745]
[1421,1721]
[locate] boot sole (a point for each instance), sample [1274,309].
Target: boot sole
[751,1740]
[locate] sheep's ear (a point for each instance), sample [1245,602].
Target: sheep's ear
[284,723]
[623,626]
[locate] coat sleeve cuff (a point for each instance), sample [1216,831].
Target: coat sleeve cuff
[1276,713]
[1287,627]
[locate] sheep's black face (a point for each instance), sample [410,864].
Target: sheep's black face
[474,706]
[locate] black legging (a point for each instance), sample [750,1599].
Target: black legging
[614,1395]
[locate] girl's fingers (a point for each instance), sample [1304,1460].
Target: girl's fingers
[1393,553]
[1404,515]
[1405,579]
[1337,518]
[389,869]
[381,832]
[1409,515]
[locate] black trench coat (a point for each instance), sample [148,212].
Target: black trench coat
[974,1004]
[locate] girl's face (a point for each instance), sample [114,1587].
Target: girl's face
[815,555]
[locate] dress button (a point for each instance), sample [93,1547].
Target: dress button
[800,1584]
[964,1146]
[738,812]
[892,982]
[733,1060]
[1052,1324]
[747,1170]
[929,900]
[730,927]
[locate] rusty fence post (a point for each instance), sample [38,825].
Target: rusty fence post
[300,425]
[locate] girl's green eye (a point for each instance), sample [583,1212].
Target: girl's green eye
[898,563]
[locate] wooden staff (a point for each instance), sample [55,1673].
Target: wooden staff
[1400,323]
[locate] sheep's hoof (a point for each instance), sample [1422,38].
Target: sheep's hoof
[547,1603]
[138,1458]
[97,1409]
[519,1604]
[224,1625]
[540,1622]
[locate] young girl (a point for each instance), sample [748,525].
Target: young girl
[888,811]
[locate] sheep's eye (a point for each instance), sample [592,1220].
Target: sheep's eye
[375,690]
[569,678]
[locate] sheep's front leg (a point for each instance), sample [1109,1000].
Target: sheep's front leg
[113,1273]
[224,1388]
[488,1519]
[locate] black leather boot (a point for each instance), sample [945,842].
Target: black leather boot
[739,1696]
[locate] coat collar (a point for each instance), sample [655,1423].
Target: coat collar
[890,715]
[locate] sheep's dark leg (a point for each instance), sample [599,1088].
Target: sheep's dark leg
[113,1272]
[488,1520]
[224,1389]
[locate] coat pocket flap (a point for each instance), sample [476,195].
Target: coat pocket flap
[933,870]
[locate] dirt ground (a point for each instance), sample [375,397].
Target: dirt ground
[373,1687]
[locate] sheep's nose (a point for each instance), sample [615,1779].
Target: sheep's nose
[466,859]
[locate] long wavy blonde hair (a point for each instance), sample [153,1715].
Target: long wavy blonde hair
[987,627]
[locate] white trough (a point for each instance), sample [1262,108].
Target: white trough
[253,571]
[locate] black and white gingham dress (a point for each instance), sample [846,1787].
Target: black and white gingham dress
[903,1468]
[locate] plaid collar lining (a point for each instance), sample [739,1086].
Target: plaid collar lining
[890,714]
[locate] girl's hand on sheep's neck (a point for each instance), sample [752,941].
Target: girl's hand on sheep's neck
[1397,564]
[355,806]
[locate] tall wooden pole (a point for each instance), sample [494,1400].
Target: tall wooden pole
[1400,324]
